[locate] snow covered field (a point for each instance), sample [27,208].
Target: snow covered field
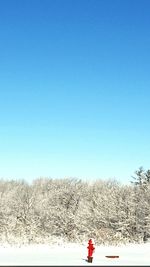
[73,254]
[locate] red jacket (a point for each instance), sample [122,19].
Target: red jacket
[90,248]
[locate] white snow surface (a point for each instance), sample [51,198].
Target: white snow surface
[74,254]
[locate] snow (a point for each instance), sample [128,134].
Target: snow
[74,254]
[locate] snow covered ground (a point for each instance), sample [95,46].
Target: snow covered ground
[73,254]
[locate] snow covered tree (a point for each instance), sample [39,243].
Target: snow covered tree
[75,210]
[142,203]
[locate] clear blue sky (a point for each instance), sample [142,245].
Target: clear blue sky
[74,88]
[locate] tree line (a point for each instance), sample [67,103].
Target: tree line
[75,210]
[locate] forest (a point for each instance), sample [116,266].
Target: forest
[74,210]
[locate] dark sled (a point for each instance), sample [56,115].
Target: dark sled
[112,257]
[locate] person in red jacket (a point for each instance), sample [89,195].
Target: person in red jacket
[91,249]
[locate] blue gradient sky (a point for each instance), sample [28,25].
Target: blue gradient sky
[74,88]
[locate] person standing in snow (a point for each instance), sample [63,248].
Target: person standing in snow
[91,249]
